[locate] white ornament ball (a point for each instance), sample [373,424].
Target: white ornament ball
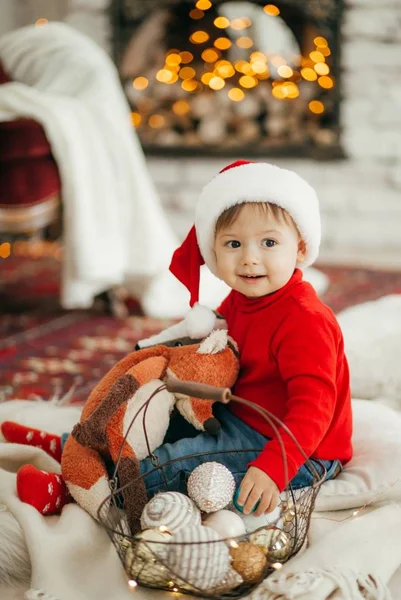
[152,543]
[202,565]
[171,510]
[143,557]
[273,518]
[211,486]
[227,523]
[146,572]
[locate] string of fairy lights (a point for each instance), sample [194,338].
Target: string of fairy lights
[236,77]
[132,584]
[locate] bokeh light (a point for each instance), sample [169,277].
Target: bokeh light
[316,107]
[272,10]
[199,37]
[236,94]
[221,22]
[140,83]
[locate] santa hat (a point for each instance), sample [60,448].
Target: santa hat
[239,182]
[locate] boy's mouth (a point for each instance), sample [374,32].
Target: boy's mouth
[251,278]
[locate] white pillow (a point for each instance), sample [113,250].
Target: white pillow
[372,336]
[376,464]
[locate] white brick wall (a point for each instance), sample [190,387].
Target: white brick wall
[360,197]
[8,16]
[375,23]
[361,210]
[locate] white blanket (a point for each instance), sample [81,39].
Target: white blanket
[352,560]
[73,553]
[115,231]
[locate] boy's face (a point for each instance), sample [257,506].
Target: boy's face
[257,254]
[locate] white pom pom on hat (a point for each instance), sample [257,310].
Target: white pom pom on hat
[199,321]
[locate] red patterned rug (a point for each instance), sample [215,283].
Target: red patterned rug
[45,350]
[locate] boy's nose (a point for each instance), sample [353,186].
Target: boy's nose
[250,256]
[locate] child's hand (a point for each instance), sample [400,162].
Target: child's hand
[257,485]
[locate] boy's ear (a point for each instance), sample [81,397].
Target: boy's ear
[301,251]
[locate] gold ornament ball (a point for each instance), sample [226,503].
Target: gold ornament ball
[274,542]
[249,561]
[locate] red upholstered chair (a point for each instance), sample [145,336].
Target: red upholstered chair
[30,187]
[29,178]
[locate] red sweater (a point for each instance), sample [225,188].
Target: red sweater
[293,364]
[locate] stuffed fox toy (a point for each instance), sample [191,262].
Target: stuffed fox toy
[117,410]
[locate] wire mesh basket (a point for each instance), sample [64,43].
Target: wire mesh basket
[191,557]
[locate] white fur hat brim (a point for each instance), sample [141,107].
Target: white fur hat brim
[258,182]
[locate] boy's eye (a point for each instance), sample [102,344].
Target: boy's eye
[269,243]
[233,244]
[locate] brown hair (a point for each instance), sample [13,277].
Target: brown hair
[230,215]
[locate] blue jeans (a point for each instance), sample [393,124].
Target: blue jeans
[244,442]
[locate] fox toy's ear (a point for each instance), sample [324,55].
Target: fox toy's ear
[215,342]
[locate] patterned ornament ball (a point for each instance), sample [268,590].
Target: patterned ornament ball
[274,542]
[231,580]
[198,557]
[171,510]
[249,561]
[211,486]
